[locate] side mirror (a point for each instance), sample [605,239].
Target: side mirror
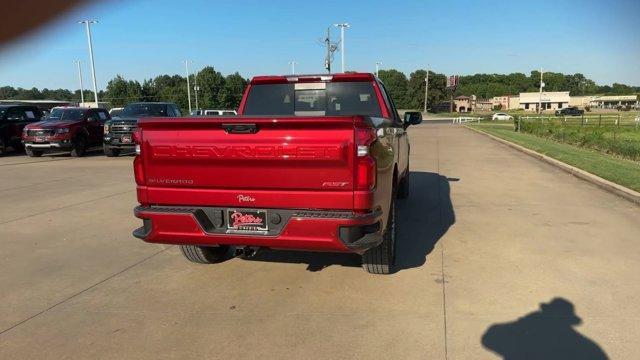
[412,118]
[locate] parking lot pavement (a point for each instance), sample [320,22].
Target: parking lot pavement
[497,253]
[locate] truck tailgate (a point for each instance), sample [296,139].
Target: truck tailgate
[248,161]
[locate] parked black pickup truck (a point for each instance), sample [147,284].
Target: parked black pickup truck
[570,111]
[118,132]
[13,119]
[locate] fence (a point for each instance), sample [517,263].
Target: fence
[614,134]
[464,120]
[589,120]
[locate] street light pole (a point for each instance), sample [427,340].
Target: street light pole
[93,69]
[378,63]
[426,90]
[81,86]
[186,65]
[293,67]
[342,27]
[540,98]
[196,88]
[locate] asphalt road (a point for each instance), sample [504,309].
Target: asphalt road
[498,254]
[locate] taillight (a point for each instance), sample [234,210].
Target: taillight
[138,168]
[365,162]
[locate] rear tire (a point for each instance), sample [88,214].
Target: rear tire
[3,147]
[110,152]
[79,147]
[380,259]
[33,153]
[403,188]
[205,254]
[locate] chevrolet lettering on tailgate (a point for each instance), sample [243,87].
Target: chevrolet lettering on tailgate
[249,152]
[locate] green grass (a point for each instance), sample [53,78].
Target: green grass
[608,116]
[620,171]
[621,140]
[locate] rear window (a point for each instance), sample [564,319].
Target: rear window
[144,110]
[313,99]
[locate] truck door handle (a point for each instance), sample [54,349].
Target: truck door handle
[240,128]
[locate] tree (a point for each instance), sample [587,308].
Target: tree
[415,90]
[219,92]
[121,92]
[211,83]
[396,83]
[231,94]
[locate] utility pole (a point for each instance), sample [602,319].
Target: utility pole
[293,67]
[378,63]
[186,65]
[81,86]
[196,88]
[327,60]
[540,98]
[342,27]
[93,69]
[331,48]
[426,90]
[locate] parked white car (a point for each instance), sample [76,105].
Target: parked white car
[203,112]
[501,117]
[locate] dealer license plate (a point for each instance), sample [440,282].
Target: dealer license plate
[247,220]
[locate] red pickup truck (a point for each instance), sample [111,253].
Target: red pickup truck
[311,162]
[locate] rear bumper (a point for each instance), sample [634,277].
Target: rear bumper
[338,231]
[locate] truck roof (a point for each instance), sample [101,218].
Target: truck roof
[281,79]
[151,102]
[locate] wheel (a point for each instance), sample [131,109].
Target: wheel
[403,188]
[79,147]
[33,153]
[205,254]
[3,147]
[111,152]
[380,259]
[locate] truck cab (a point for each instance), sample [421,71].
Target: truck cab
[311,162]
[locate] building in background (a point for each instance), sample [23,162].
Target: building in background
[462,104]
[529,101]
[504,102]
[614,101]
[514,102]
[483,105]
[581,101]
[549,100]
[471,103]
[44,105]
[92,104]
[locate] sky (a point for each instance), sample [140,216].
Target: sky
[145,38]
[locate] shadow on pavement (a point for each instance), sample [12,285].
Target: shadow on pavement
[423,218]
[544,334]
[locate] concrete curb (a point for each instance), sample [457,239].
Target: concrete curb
[607,185]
